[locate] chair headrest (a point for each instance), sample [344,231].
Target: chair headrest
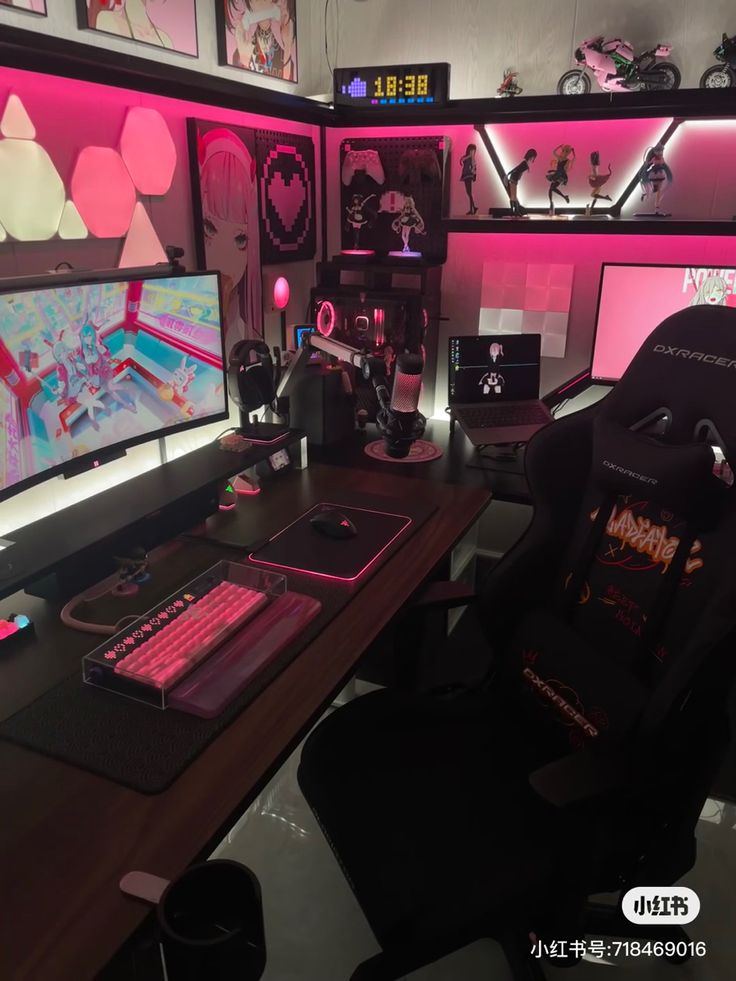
[687,365]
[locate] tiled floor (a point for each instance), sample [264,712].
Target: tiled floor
[316,931]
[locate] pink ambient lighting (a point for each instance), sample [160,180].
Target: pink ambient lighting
[148,150]
[281,293]
[358,252]
[326,318]
[324,575]
[103,192]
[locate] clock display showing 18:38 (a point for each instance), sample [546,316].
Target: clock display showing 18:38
[389,86]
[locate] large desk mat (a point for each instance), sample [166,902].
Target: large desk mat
[146,749]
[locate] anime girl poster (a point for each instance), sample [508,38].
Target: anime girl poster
[227,236]
[258,36]
[32,6]
[170,24]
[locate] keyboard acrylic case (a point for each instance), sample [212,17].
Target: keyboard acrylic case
[150,657]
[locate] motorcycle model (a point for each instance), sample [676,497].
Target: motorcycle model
[722,76]
[618,69]
[509,86]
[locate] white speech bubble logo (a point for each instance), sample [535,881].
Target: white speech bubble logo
[660,904]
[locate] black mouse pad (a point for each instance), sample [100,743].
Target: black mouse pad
[301,548]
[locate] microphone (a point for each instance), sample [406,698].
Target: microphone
[398,419]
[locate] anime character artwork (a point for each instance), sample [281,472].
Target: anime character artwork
[713,292]
[86,367]
[228,234]
[171,24]
[259,36]
[33,6]
[357,216]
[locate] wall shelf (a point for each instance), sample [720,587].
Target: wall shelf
[488,225]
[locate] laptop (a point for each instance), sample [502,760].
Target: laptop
[493,385]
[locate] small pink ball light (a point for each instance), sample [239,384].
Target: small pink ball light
[281,293]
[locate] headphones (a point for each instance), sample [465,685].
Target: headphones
[251,382]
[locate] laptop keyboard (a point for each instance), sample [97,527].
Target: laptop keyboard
[499,416]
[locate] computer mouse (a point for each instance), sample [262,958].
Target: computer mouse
[333,524]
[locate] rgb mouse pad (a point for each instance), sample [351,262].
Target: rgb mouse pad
[301,548]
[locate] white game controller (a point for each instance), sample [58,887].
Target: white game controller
[366,160]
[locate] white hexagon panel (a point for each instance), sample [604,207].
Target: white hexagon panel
[32,194]
[148,150]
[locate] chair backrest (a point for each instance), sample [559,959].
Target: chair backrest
[623,590]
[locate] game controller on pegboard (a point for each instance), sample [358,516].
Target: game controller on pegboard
[393,195]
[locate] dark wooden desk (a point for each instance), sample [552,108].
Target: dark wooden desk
[67,837]
[506,481]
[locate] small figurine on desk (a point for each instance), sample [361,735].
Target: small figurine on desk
[512,179]
[468,175]
[132,571]
[356,217]
[597,182]
[407,221]
[509,86]
[655,178]
[563,158]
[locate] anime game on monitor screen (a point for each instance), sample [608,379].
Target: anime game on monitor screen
[633,300]
[87,367]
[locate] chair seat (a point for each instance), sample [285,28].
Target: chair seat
[426,804]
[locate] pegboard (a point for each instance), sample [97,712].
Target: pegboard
[286,196]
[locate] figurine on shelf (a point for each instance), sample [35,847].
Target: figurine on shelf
[468,174]
[597,182]
[356,216]
[655,178]
[563,158]
[512,182]
[509,86]
[407,221]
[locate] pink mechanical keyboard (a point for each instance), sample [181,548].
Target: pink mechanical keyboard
[171,653]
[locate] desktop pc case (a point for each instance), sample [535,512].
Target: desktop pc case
[383,322]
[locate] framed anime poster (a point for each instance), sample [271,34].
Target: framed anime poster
[226,226]
[286,196]
[258,36]
[32,6]
[170,24]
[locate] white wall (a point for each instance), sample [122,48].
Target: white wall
[480,37]
[62,22]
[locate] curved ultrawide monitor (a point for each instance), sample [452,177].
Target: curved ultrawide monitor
[92,365]
[634,299]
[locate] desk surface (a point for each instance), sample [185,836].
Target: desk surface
[67,837]
[506,481]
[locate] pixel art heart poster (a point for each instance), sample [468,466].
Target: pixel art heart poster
[286,196]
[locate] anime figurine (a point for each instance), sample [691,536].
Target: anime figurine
[597,182]
[509,86]
[126,18]
[264,34]
[618,69]
[356,216]
[512,182]
[495,351]
[97,368]
[722,76]
[407,221]
[468,175]
[563,159]
[492,383]
[713,292]
[655,178]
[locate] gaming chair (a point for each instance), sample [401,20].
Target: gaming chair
[580,765]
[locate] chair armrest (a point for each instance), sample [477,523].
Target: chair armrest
[444,595]
[581,775]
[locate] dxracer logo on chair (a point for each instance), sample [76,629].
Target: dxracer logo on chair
[702,356]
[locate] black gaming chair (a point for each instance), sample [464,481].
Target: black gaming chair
[582,762]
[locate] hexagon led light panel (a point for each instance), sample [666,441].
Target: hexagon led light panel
[71,225]
[16,123]
[148,150]
[32,194]
[103,192]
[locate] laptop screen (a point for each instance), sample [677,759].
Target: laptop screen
[494,368]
